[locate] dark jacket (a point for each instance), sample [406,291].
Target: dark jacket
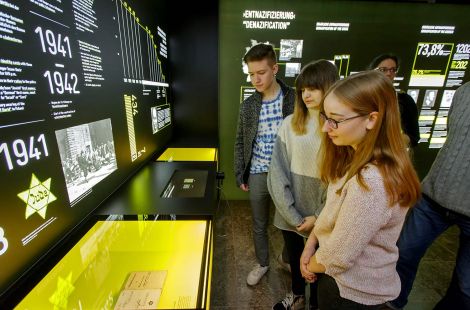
[409,117]
[247,128]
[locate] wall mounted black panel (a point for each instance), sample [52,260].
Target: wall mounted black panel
[194,68]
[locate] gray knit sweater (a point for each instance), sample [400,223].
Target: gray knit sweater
[293,178]
[448,179]
[247,127]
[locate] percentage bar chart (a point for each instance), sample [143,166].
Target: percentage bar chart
[431,64]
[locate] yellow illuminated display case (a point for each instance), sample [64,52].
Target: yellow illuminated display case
[93,273]
[189,154]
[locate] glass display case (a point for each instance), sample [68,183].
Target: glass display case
[140,249]
[122,264]
[188,154]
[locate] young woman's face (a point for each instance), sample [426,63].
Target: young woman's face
[351,127]
[262,74]
[312,97]
[389,68]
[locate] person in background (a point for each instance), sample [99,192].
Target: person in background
[445,202]
[389,65]
[260,116]
[371,185]
[294,179]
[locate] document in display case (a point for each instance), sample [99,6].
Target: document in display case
[142,290]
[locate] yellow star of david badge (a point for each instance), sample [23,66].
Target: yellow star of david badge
[61,295]
[37,197]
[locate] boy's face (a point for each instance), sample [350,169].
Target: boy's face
[262,74]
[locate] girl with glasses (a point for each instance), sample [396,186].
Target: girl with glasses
[294,179]
[371,185]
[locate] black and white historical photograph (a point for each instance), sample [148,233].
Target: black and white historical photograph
[429,98]
[414,93]
[292,69]
[447,98]
[87,155]
[290,49]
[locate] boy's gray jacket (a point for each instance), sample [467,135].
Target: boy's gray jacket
[247,128]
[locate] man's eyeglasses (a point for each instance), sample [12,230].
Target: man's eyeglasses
[334,123]
[385,69]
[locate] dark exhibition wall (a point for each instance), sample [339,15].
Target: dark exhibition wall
[194,68]
[90,93]
[432,41]
[84,101]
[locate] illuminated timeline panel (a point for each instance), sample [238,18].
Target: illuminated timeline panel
[131,34]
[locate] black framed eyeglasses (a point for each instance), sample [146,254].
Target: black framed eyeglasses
[385,69]
[334,123]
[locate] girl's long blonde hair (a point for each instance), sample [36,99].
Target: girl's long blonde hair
[320,74]
[384,145]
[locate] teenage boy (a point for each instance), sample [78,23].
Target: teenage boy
[260,116]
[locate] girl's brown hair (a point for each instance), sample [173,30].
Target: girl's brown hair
[320,74]
[383,145]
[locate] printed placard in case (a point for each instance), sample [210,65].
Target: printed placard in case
[142,290]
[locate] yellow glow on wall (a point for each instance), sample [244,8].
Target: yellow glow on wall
[438,140]
[426,118]
[441,121]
